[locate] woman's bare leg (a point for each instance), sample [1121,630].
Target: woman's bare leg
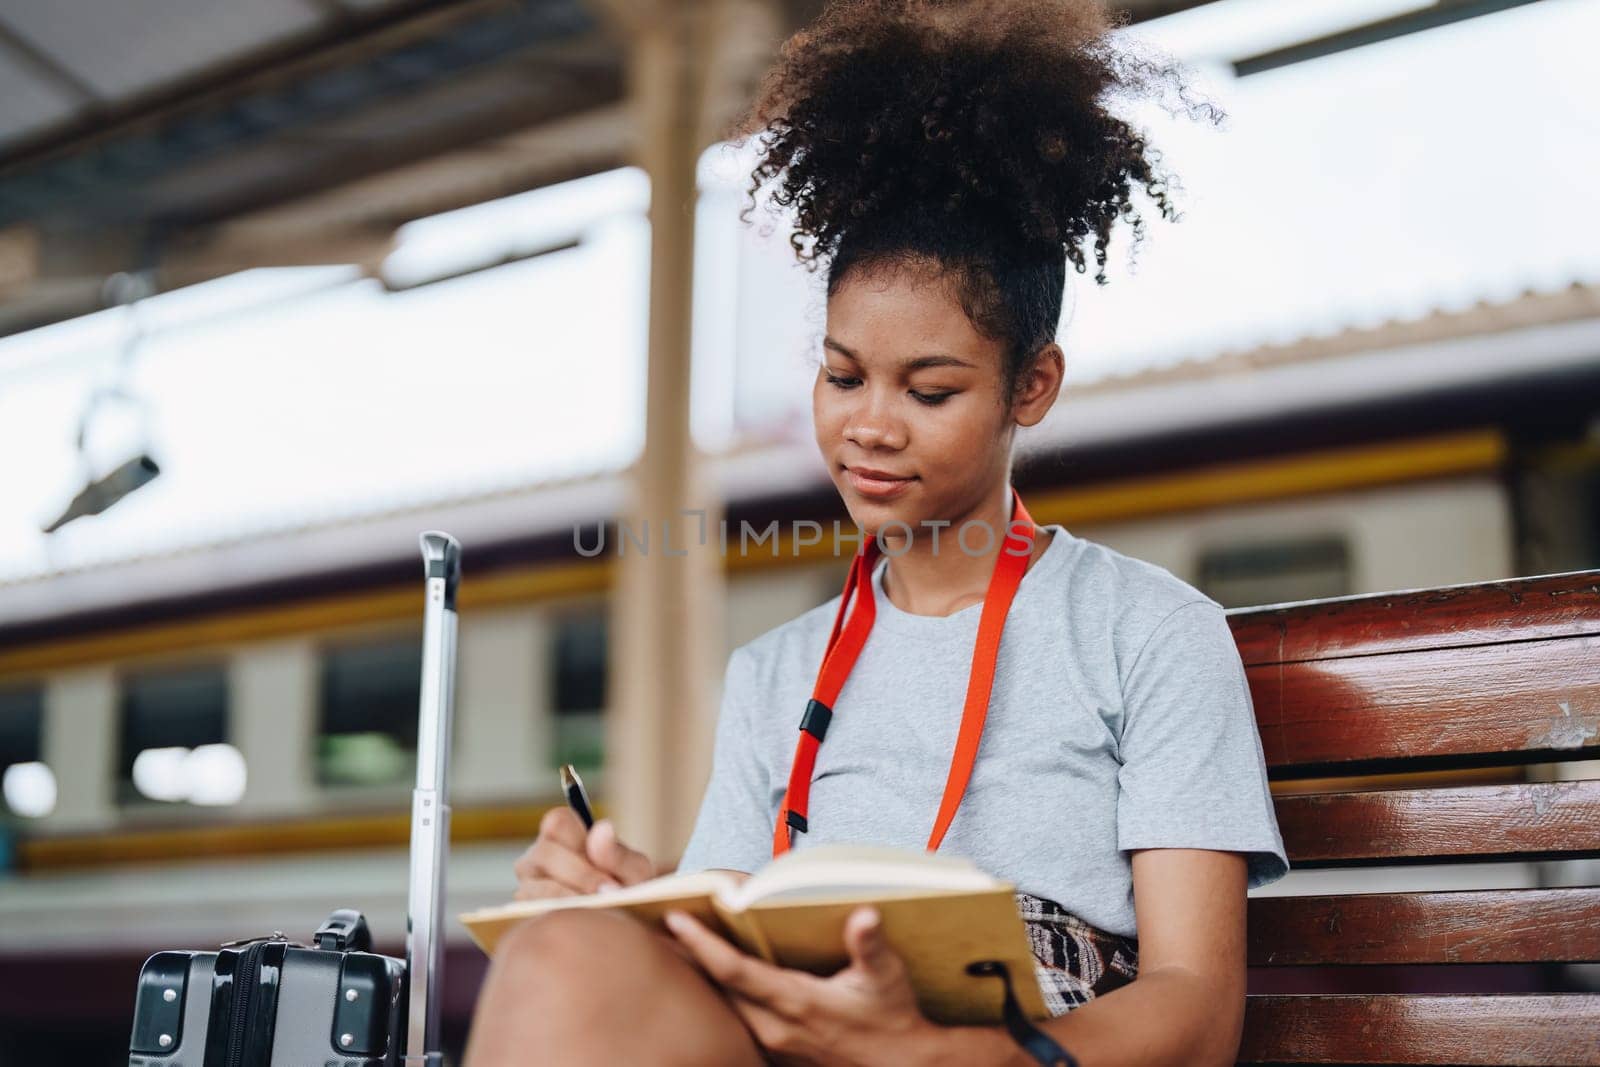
[587,987]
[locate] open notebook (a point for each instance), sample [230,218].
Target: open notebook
[939,912]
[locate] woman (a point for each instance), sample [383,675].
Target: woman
[944,160]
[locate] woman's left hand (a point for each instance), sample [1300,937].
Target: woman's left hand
[864,1014]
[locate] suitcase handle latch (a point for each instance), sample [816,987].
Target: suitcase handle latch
[344,931]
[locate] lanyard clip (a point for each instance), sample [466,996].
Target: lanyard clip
[816,719]
[796,821]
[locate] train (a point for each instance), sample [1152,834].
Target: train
[219,743]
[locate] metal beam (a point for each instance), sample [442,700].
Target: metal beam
[99,171]
[47,67]
[1442,13]
[319,50]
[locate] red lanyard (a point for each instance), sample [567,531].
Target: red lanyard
[844,648]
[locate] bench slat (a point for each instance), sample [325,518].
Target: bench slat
[1484,613]
[1518,1030]
[1458,926]
[1528,821]
[1534,700]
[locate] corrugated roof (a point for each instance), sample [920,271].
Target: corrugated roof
[1571,303]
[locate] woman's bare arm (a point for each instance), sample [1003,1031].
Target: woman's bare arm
[1185,1008]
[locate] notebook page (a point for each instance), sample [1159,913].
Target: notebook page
[857,870]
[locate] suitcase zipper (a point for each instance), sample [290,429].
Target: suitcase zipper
[244,987]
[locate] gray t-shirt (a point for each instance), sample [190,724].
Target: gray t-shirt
[1120,719]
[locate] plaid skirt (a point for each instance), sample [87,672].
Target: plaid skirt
[1073,960]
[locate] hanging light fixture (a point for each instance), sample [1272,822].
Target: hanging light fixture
[101,492]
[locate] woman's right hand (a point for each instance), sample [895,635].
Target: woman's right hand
[565,860]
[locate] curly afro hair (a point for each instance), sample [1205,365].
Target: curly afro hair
[971,137]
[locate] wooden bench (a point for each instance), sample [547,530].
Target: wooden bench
[1489,675]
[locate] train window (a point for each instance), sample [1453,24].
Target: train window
[1557,500]
[579,656]
[174,738]
[1275,572]
[26,782]
[369,693]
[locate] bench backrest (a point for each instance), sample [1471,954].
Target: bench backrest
[1498,674]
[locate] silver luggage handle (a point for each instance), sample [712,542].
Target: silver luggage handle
[430,812]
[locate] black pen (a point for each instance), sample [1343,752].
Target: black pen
[577,799]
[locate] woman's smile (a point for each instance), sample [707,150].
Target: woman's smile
[876,484]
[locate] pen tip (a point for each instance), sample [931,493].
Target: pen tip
[569,776]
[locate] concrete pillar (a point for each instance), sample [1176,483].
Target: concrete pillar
[272,720]
[666,616]
[81,736]
[504,723]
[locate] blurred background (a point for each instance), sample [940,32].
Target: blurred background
[285,282]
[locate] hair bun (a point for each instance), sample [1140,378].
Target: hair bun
[990,117]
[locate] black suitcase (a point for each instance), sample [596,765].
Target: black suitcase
[271,1002]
